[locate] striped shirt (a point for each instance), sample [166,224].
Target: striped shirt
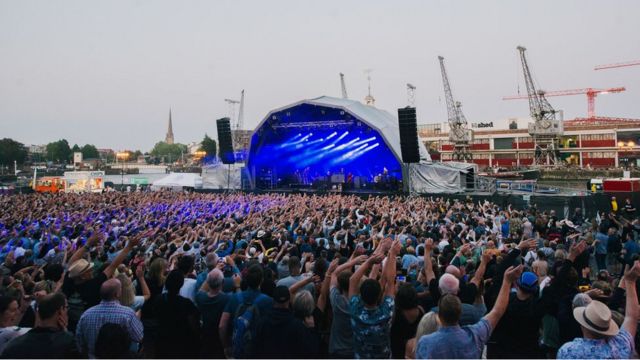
[104,313]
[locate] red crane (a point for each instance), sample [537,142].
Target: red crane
[622,64]
[590,92]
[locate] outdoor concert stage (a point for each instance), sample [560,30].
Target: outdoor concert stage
[326,144]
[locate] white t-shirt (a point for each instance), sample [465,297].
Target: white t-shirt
[188,289]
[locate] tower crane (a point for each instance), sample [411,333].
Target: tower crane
[344,87]
[590,92]
[545,130]
[618,65]
[459,133]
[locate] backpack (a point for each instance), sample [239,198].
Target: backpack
[75,308]
[245,325]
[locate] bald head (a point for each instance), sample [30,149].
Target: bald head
[214,279]
[449,284]
[110,290]
[453,270]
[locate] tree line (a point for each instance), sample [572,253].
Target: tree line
[61,152]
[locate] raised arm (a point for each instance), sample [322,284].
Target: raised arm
[354,282]
[324,289]
[122,255]
[428,266]
[93,239]
[631,311]
[146,293]
[479,275]
[389,271]
[302,283]
[502,301]
[348,265]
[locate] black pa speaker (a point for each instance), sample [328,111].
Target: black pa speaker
[408,126]
[224,141]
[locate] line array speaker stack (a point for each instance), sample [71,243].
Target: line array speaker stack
[225,144]
[408,125]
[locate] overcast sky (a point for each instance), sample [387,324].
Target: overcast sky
[107,72]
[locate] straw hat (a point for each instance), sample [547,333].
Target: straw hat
[596,317]
[79,267]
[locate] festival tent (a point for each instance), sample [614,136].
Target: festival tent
[178,181]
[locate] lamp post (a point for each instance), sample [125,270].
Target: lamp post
[123,157]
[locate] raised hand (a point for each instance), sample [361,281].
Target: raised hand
[512,274]
[527,244]
[576,249]
[633,274]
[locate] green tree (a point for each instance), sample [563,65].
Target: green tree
[59,151]
[171,152]
[90,152]
[209,146]
[75,148]
[10,151]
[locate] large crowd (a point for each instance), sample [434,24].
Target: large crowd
[191,275]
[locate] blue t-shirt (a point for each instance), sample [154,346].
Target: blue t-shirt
[601,245]
[615,347]
[263,302]
[455,342]
[371,328]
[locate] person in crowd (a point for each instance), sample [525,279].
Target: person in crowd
[341,338]
[108,310]
[371,314]
[49,339]
[602,337]
[211,302]
[455,342]
[288,331]
[406,318]
[178,321]
[245,308]
[294,274]
[427,325]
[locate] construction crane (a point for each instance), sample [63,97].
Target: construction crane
[545,130]
[618,65]
[590,92]
[459,133]
[344,87]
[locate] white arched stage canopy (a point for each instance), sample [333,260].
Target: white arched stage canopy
[319,142]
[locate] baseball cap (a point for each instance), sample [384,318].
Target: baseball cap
[281,294]
[528,282]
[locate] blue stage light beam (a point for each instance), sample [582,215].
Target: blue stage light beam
[332,135]
[341,136]
[297,142]
[346,157]
[364,141]
[344,146]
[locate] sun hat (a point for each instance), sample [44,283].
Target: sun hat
[596,317]
[79,267]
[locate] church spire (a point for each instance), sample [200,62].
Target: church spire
[169,138]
